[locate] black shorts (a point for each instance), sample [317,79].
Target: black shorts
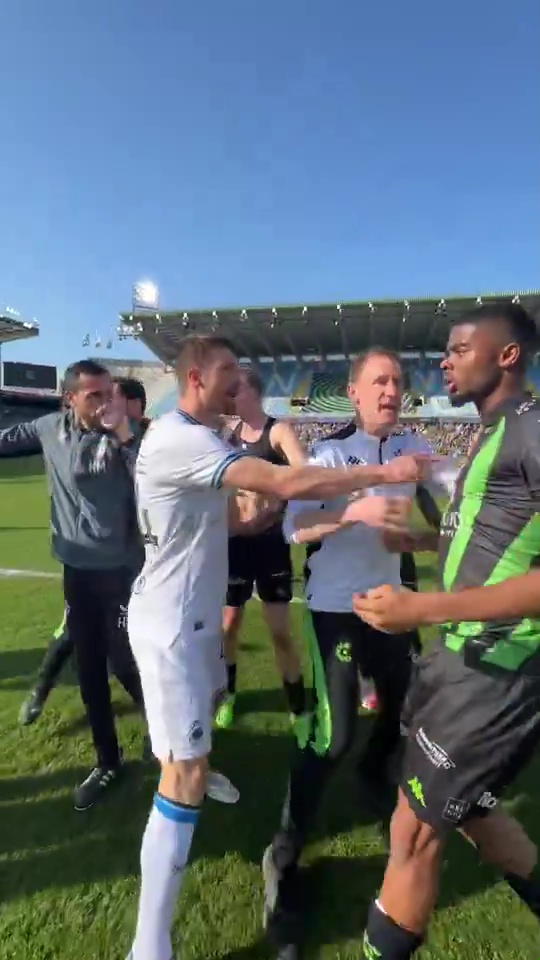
[470,733]
[263,562]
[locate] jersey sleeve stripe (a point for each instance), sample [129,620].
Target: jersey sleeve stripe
[217,476]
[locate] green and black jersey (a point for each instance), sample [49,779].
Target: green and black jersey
[491,531]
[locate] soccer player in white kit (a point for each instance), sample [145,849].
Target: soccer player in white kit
[183,475]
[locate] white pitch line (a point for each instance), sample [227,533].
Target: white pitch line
[47,575]
[41,574]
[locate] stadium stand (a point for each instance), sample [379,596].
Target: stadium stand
[319,394]
[302,390]
[301,351]
[21,411]
[158,380]
[328,395]
[27,391]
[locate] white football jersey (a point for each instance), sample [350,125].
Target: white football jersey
[354,559]
[182,511]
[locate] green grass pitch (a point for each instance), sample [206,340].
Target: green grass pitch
[68,881]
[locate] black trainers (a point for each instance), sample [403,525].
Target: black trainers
[283,916]
[95,786]
[32,708]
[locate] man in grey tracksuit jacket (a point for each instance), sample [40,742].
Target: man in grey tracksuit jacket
[132,394]
[95,537]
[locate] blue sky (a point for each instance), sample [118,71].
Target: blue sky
[249,153]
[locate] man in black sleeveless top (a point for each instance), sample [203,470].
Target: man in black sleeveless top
[258,555]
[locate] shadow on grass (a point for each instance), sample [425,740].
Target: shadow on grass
[52,846]
[260,701]
[19,668]
[121,708]
[20,528]
[336,892]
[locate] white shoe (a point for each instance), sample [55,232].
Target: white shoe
[220,788]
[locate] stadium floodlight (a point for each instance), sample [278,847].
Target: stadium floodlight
[145,295]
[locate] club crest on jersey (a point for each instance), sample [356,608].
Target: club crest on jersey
[195,732]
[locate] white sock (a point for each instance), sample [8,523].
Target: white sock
[164,855]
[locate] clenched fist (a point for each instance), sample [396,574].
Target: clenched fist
[389,609]
[408,469]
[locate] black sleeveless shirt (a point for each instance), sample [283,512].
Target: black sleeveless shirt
[263,449]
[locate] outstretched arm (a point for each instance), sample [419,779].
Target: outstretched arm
[311,482]
[22,440]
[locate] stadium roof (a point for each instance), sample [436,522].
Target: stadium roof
[11,328]
[317,329]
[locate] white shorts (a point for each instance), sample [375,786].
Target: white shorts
[179,684]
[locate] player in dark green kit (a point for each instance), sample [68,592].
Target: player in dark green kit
[473,712]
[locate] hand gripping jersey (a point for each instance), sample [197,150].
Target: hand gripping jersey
[353,559]
[182,512]
[491,531]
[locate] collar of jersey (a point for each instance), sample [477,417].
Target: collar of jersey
[188,418]
[508,404]
[371,437]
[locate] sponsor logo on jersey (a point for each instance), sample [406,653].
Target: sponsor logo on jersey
[455,810]
[434,753]
[122,617]
[452,521]
[487,801]
[355,461]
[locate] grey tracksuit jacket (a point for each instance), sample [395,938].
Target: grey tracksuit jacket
[90,476]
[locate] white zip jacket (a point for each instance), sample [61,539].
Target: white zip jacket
[354,559]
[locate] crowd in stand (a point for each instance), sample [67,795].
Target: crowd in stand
[446,438]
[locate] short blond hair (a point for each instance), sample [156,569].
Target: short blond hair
[196,351]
